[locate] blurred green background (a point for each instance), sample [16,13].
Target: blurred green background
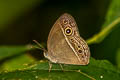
[22,21]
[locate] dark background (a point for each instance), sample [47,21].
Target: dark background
[20,27]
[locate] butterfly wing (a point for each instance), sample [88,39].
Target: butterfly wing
[63,42]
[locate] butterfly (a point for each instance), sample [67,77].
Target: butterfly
[65,45]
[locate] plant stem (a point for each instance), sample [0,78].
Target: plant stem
[103,33]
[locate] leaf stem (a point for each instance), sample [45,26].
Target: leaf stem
[86,75]
[103,33]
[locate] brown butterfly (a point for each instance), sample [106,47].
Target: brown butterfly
[65,45]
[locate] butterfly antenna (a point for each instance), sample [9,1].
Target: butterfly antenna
[40,46]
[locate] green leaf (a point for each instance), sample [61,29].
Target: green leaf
[16,63]
[8,51]
[42,75]
[97,69]
[112,20]
[118,58]
[11,9]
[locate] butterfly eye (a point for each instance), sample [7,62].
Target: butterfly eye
[79,49]
[72,24]
[68,31]
[72,40]
[65,21]
[78,46]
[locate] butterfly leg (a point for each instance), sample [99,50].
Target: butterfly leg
[61,67]
[50,66]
